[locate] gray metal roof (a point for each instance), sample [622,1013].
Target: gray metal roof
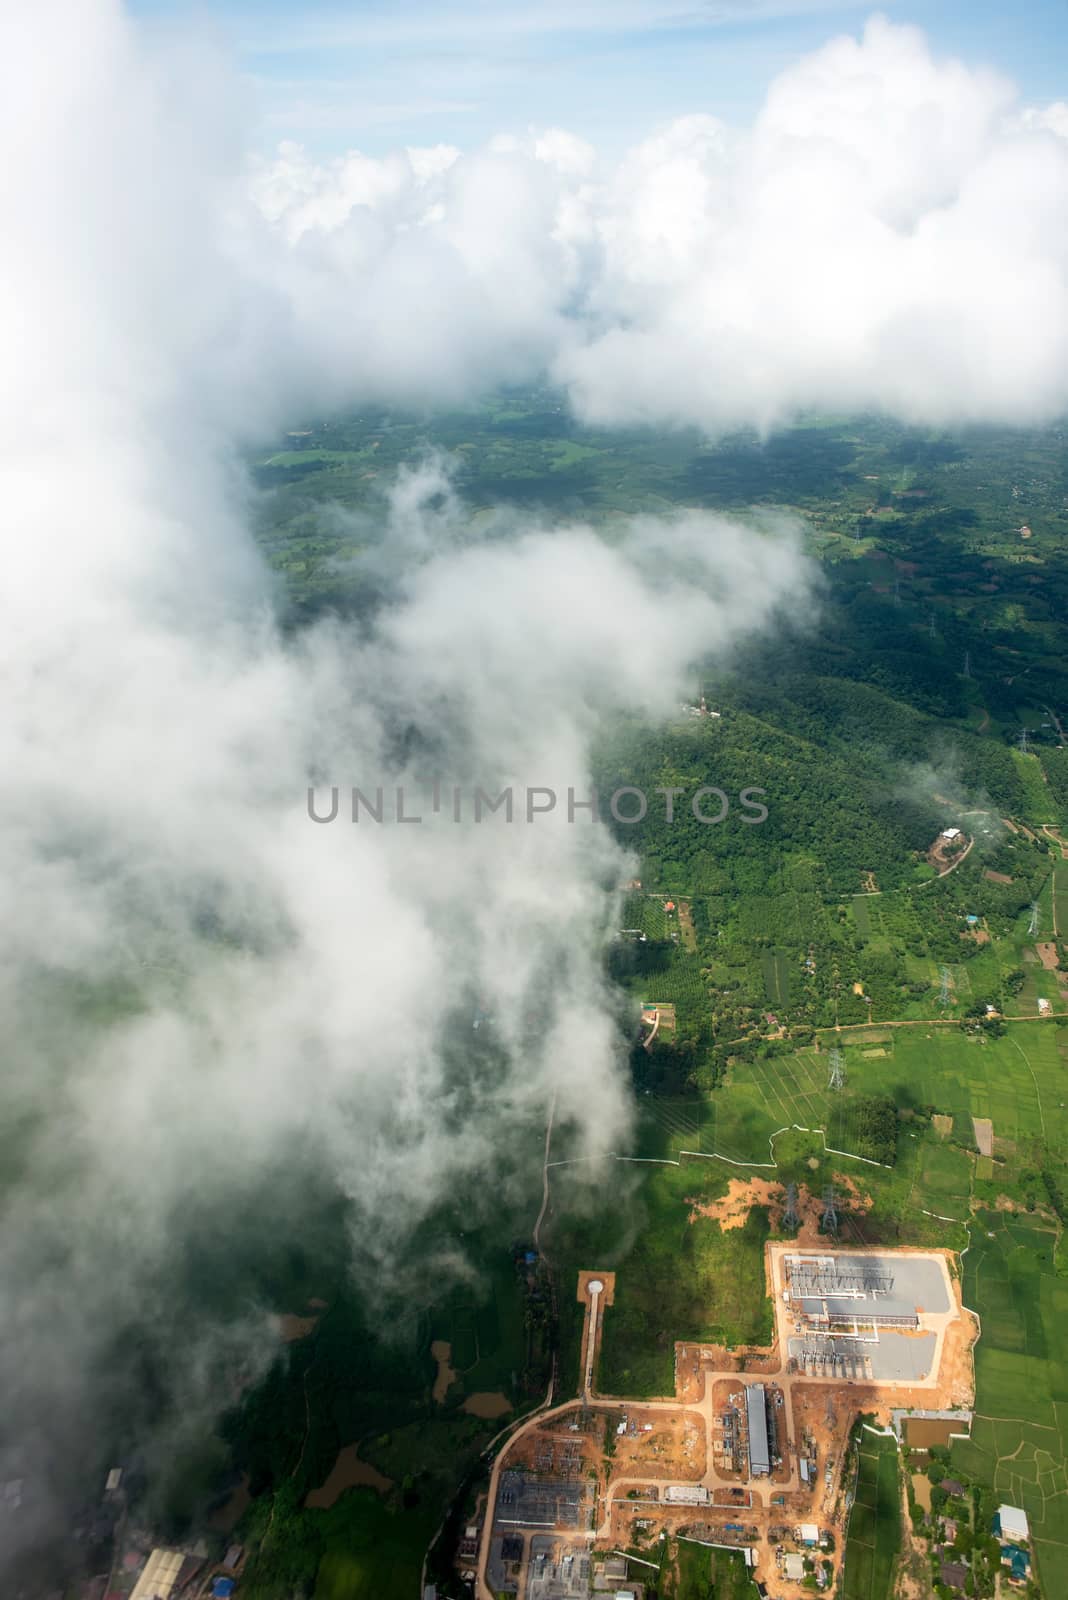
[756,1415]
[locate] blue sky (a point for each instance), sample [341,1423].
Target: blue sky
[372,75]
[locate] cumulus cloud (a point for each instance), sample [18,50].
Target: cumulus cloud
[888,233]
[194,974]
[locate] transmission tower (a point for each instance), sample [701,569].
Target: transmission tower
[943,998]
[967,663]
[829,1221]
[1032,927]
[1023,741]
[836,1074]
[791,1217]
[897,591]
[932,625]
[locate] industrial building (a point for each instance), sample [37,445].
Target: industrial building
[686,1494]
[849,1292]
[160,1575]
[756,1412]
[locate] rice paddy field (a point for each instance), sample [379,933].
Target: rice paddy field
[1005,1228]
[874,1535]
[1019,1081]
[1019,1442]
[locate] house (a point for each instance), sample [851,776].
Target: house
[949,1529]
[807,1533]
[954,1574]
[1010,1523]
[953,1487]
[1017,1561]
[1043,1006]
[951,833]
[794,1567]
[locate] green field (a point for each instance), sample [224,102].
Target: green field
[874,1534]
[371,1552]
[1019,1443]
[892,714]
[677,1278]
[690,1571]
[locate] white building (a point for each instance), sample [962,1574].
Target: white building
[1013,1523]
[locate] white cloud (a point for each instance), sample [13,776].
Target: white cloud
[890,232]
[295,987]
[881,238]
[887,234]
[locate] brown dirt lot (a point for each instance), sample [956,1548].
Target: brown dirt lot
[1047,954]
[291,1328]
[608,1298]
[673,1448]
[732,1209]
[984,1135]
[441,1350]
[348,1472]
[485,1404]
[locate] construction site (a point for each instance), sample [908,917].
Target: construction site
[748,1454]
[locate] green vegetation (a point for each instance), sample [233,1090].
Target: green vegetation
[680,1275]
[892,713]
[1019,1445]
[690,1571]
[874,1535]
[364,1376]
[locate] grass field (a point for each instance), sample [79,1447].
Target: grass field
[693,1572]
[776,966]
[677,1279]
[1019,1081]
[874,1535]
[1060,898]
[372,1551]
[1019,1442]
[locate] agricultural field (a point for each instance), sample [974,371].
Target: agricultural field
[889,716]
[1019,1443]
[874,1534]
